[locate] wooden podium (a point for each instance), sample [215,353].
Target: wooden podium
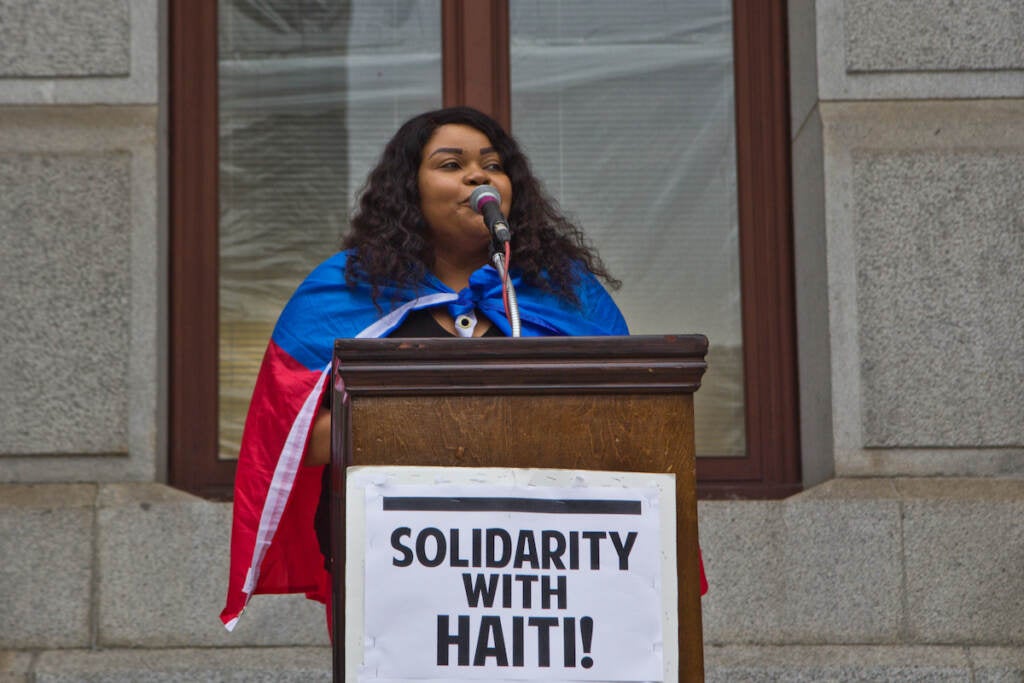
[589,403]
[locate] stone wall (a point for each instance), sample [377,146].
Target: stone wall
[857,579]
[926,271]
[80,221]
[910,241]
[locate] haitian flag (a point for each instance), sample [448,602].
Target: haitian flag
[274,547]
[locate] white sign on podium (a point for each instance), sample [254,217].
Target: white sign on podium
[464,574]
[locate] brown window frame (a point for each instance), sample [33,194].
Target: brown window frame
[475,71]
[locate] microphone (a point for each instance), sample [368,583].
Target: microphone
[486,201]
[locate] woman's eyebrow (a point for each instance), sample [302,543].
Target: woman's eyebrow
[460,151]
[446,150]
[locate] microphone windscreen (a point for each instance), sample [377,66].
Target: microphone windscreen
[483,195]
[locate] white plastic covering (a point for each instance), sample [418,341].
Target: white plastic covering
[310,90]
[625,109]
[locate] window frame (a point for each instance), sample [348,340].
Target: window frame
[476,71]
[771,466]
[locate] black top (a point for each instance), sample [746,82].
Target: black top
[417,324]
[422,324]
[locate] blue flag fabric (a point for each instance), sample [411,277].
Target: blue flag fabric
[324,308]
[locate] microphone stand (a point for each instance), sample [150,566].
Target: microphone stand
[498,258]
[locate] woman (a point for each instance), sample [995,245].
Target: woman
[415,260]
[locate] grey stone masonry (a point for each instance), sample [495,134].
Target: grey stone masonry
[925,262]
[128,565]
[919,49]
[940,296]
[236,665]
[80,51]
[964,553]
[884,561]
[46,576]
[885,664]
[722,664]
[67,231]
[80,303]
[162,566]
[810,250]
[58,38]
[911,35]
[857,561]
[804,570]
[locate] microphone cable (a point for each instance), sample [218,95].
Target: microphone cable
[502,264]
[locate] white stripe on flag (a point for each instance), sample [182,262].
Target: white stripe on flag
[288,464]
[392,319]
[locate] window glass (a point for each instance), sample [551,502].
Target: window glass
[310,91]
[626,110]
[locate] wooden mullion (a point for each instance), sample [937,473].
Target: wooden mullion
[193,270]
[772,461]
[475,56]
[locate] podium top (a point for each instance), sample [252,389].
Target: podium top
[638,364]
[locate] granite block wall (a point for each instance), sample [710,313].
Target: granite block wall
[50,38]
[162,567]
[906,174]
[128,566]
[917,49]
[82,52]
[78,219]
[925,263]
[81,224]
[888,562]
[46,576]
[868,561]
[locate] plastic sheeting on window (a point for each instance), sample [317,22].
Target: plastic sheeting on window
[310,91]
[626,109]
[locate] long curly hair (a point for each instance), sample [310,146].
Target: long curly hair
[389,236]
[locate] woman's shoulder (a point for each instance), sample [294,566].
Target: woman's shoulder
[584,307]
[585,284]
[331,267]
[596,301]
[325,307]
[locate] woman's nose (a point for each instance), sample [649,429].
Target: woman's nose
[476,175]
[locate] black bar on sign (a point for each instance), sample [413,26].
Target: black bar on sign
[545,505]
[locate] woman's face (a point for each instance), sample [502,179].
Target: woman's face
[456,160]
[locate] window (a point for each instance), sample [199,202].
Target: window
[627,111]
[385,61]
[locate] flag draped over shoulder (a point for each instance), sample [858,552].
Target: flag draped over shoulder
[273,543]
